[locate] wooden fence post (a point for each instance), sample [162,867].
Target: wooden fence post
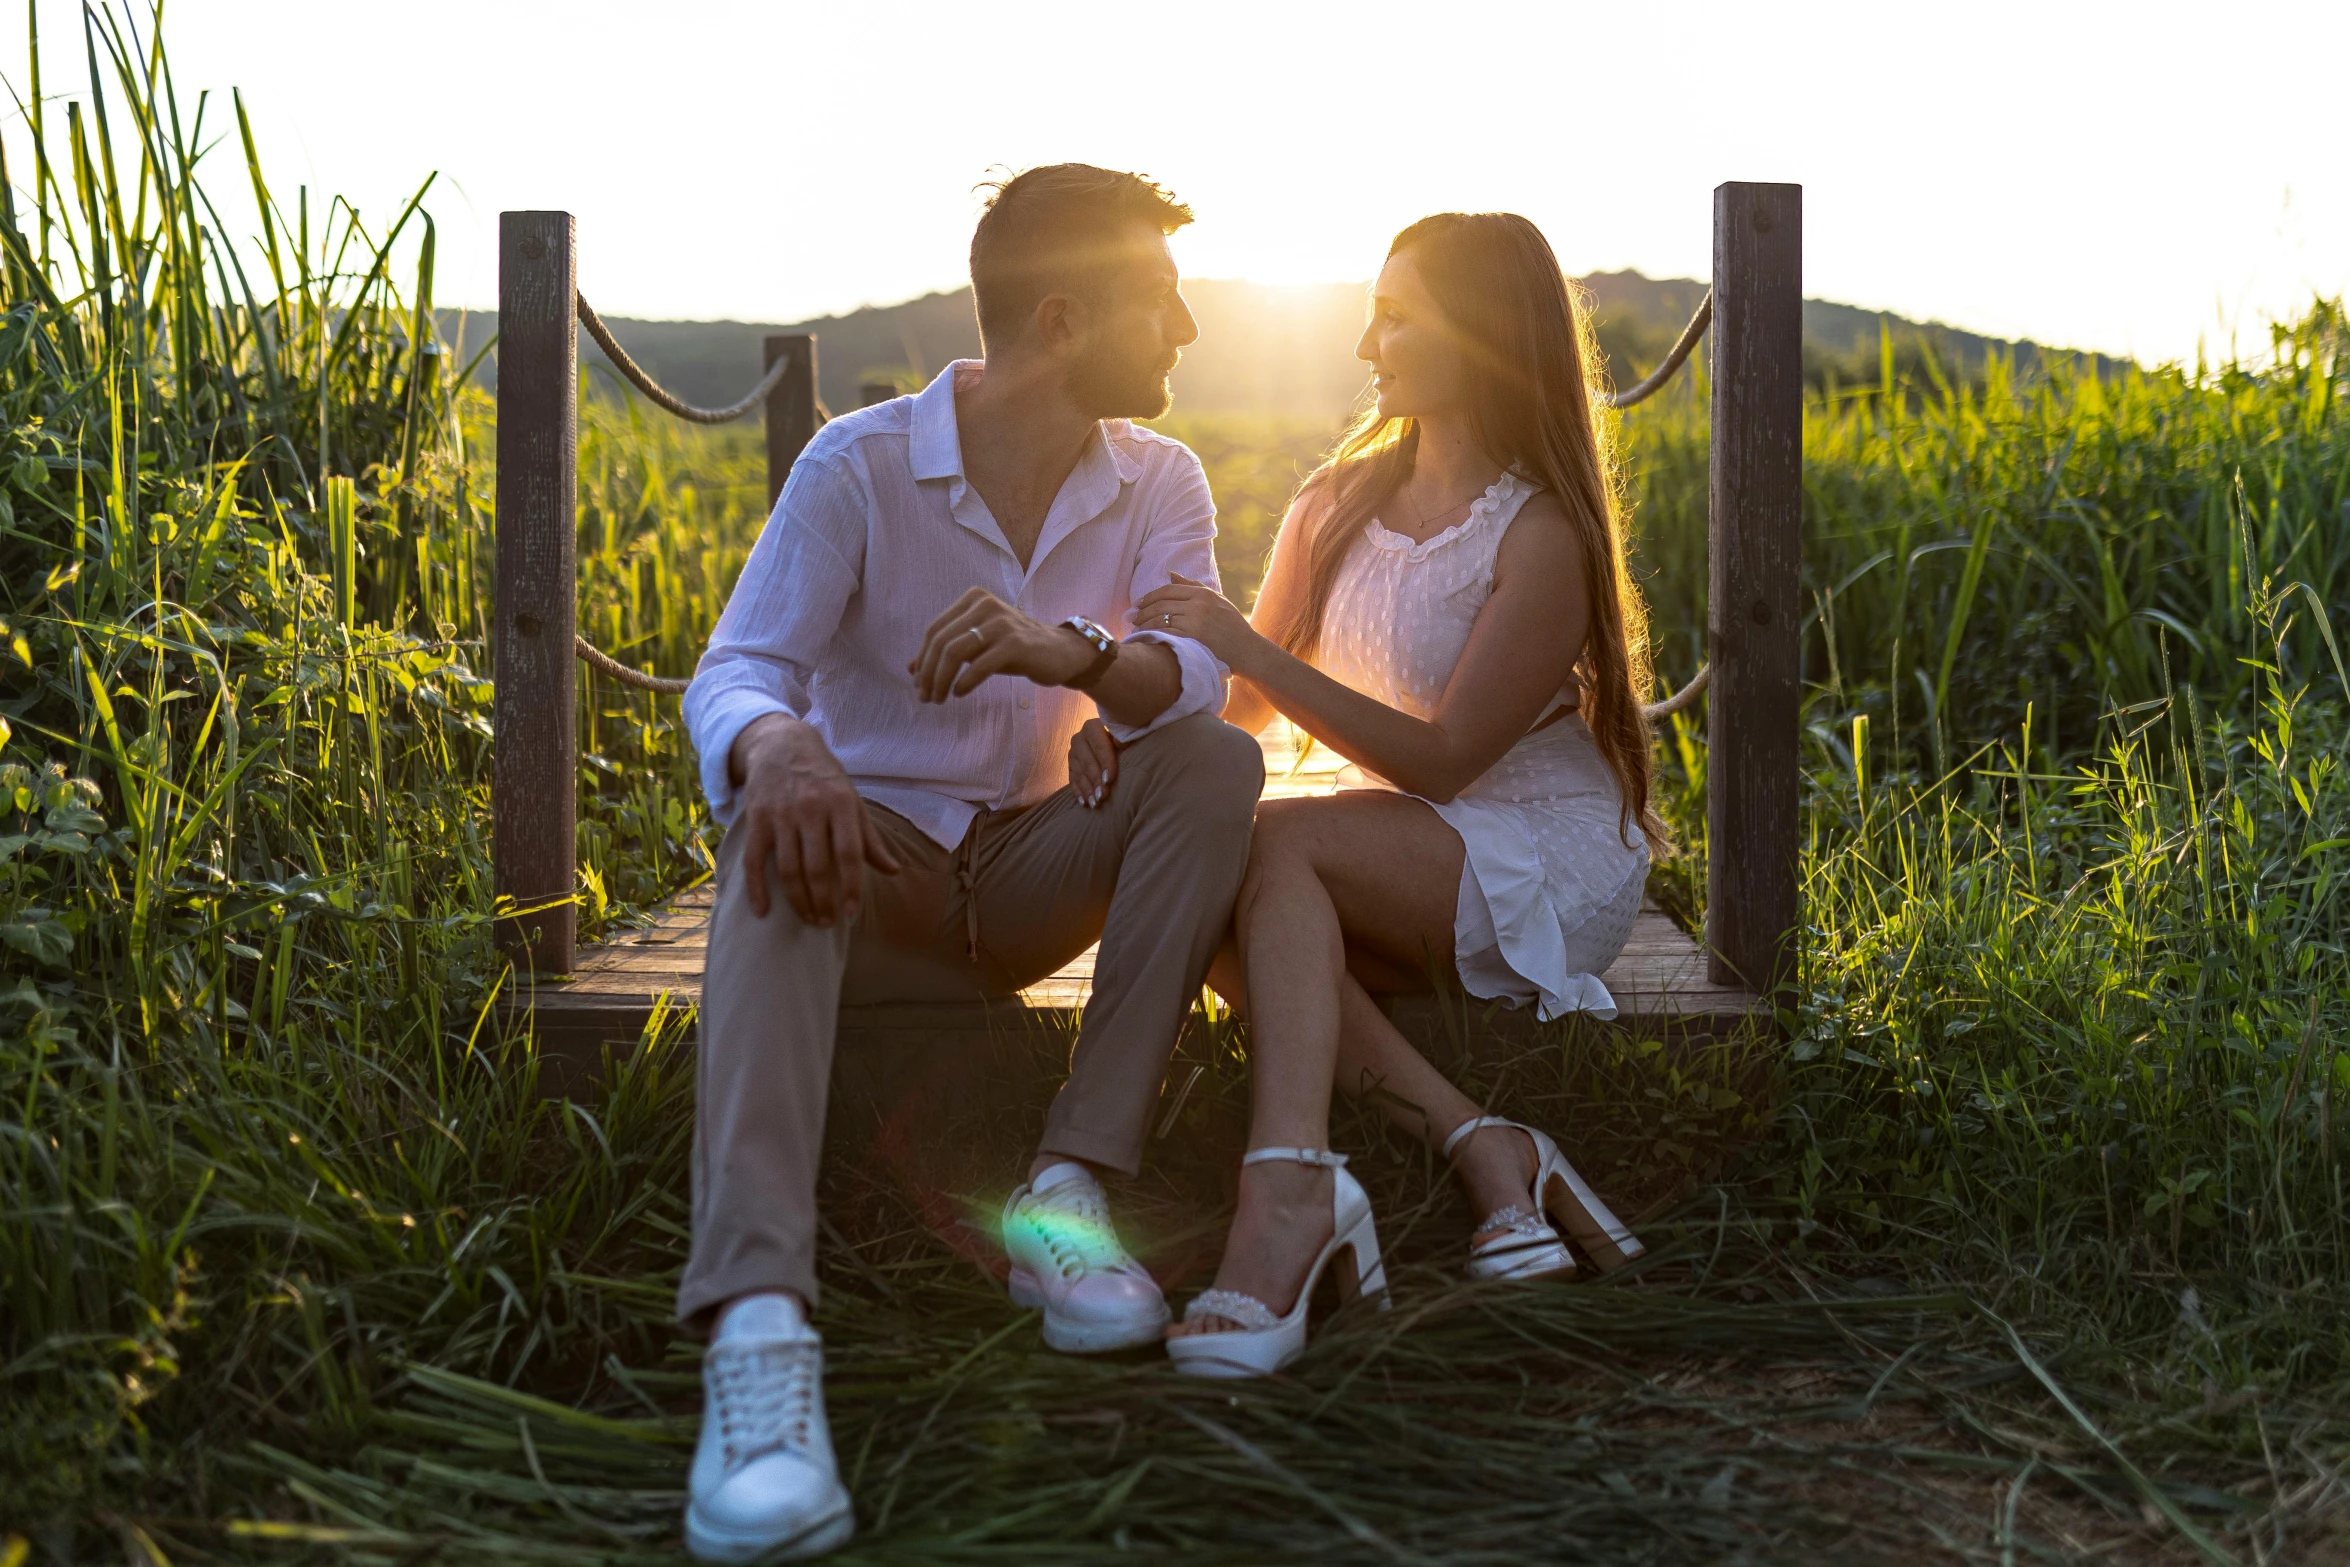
[791,407]
[1754,604]
[534,778]
[874,393]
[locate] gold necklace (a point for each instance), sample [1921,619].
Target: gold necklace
[1441,511]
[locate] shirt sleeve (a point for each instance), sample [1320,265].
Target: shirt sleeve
[785,609]
[1181,540]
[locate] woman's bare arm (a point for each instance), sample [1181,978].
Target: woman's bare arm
[1520,652]
[1280,598]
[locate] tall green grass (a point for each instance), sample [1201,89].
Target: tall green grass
[2031,1234]
[244,724]
[2062,543]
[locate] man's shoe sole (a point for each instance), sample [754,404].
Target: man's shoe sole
[1083,1338]
[706,1543]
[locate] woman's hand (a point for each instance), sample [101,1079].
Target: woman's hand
[1195,610]
[1093,764]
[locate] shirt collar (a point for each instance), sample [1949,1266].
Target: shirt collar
[1127,467]
[933,445]
[934,450]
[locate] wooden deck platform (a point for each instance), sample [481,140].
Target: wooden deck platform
[1659,983]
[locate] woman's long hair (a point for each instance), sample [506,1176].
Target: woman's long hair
[1528,339]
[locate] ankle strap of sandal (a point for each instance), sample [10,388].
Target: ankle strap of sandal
[1316,1156]
[1475,1123]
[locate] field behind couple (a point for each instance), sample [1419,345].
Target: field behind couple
[2026,1242]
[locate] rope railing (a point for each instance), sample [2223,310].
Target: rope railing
[654,390]
[604,663]
[588,653]
[1656,378]
[1639,392]
[1658,711]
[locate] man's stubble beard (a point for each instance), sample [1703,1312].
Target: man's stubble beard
[1108,388]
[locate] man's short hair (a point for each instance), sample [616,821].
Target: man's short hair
[1057,228]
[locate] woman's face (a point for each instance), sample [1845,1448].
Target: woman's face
[1415,356]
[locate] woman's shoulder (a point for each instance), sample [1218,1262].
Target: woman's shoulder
[1537,512]
[1539,535]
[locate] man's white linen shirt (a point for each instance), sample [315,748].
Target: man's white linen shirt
[877,534]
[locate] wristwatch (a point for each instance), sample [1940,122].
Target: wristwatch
[1105,653]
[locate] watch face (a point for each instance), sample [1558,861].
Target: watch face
[1105,648]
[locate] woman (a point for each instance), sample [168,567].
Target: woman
[1448,607]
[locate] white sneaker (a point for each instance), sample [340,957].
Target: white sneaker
[1066,1258]
[764,1482]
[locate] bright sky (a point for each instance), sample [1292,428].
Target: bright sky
[2127,177]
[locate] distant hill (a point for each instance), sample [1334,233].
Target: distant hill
[1637,318]
[1264,349]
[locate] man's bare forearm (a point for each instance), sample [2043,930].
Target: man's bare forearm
[1140,684]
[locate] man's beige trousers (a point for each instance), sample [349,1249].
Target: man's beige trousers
[1152,874]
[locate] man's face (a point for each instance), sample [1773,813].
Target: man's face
[1134,330]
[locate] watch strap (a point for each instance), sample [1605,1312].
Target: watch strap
[1106,654]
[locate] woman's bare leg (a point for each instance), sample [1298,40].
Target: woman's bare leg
[1382,872]
[1375,1058]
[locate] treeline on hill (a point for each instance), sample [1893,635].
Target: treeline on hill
[294,1258]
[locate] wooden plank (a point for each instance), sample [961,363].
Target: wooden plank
[1665,984]
[534,767]
[1754,609]
[1660,982]
[874,393]
[791,406]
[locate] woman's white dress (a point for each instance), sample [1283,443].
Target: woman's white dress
[1549,887]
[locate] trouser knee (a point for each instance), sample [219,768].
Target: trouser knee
[1214,769]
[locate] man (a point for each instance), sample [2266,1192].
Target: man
[883,718]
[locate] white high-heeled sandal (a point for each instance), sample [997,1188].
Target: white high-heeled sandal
[1528,1247]
[1264,1343]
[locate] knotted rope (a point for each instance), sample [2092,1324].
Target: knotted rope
[597,659]
[1664,372]
[652,389]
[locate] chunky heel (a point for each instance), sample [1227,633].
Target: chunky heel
[1527,1246]
[1369,1271]
[1373,1287]
[1265,1343]
[1569,1199]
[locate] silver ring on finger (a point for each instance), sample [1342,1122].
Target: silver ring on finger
[976,632]
[1166,620]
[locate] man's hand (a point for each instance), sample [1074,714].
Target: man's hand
[982,636]
[795,807]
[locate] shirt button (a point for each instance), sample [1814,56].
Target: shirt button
[1027,700]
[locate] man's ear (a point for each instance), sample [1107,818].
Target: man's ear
[1060,322]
